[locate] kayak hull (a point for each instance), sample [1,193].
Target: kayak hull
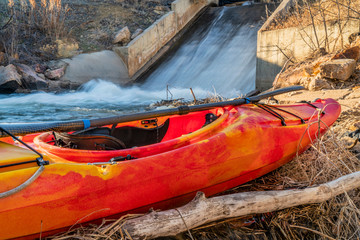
[247,144]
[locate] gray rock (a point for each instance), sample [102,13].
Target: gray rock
[136,33]
[59,86]
[10,79]
[340,69]
[40,68]
[41,75]
[30,79]
[55,74]
[122,36]
[55,64]
[21,90]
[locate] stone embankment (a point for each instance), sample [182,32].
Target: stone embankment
[324,71]
[21,78]
[329,76]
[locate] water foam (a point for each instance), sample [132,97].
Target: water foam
[97,98]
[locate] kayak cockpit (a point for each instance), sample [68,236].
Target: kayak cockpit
[136,134]
[138,138]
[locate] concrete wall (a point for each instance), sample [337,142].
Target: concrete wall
[141,50]
[276,46]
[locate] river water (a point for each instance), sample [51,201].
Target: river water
[217,56]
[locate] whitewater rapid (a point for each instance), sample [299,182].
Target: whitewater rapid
[97,98]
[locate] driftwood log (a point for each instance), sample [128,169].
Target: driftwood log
[202,210]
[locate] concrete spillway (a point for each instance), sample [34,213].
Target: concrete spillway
[217,53]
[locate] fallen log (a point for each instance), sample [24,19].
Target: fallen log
[202,210]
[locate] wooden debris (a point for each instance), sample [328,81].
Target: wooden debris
[203,210]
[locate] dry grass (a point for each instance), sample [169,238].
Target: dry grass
[31,24]
[337,218]
[320,14]
[307,12]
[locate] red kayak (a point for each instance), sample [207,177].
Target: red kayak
[153,163]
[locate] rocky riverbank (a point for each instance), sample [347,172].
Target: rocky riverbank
[35,36]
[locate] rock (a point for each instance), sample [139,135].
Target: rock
[2,48]
[318,84]
[59,86]
[340,69]
[21,90]
[136,33]
[350,53]
[40,68]
[55,74]
[122,36]
[57,64]
[295,76]
[31,79]
[10,79]
[41,75]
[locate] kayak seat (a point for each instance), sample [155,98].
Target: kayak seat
[88,141]
[137,137]
[104,138]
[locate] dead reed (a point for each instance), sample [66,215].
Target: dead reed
[31,24]
[319,14]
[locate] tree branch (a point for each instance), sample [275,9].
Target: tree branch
[204,210]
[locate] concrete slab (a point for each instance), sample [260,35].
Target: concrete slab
[106,65]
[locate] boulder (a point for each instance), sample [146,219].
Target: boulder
[40,68]
[350,53]
[30,79]
[136,33]
[10,79]
[318,83]
[297,76]
[55,64]
[122,36]
[340,69]
[55,74]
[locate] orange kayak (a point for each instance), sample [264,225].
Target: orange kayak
[156,163]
